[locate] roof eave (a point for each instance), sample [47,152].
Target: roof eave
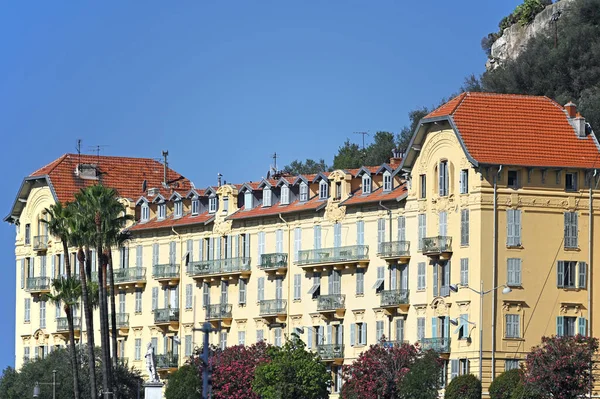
[14,214]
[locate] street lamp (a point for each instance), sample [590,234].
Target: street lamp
[36,387]
[505,290]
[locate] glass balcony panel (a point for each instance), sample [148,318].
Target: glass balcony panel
[392,249]
[331,302]
[218,266]
[38,284]
[330,351]
[167,361]
[166,315]
[273,261]
[40,243]
[272,307]
[394,297]
[122,320]
[333,255]
[130,275]
[439,344]
[62,323]
[437,244]
[165,271]
[218,311]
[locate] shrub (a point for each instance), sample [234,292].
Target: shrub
[464,387]
[184,383]
[504,385]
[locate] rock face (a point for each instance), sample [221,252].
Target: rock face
[514,38]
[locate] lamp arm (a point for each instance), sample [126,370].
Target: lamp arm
[494,289]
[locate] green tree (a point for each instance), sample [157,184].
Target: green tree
[406,133]
[503,386]
[184,383]
[465,386]
[380,150]
[58,225]
[349,156]
[293,373]
[307,167]
[422,379]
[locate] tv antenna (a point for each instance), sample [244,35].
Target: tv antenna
[78,147]
[97,148]
[363,138]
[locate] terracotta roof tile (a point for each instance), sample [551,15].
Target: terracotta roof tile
[522,130]
[185,220]
[295,206]
[124,174]
[376,196]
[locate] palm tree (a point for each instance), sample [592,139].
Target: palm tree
[58,226]
[68,291]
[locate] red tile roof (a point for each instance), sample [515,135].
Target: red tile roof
[124,174]
[376,196]
[512,129]
[295,206]
[169,222]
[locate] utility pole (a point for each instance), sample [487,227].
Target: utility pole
[165,154]
[363,138]
[206,370]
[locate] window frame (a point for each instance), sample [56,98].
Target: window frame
[178,208]
[212,204]
[195,206]
[422,186]
[144,212]
[303,192]
[464,181]
[512,327]
[387,181]
[574,186]
[517,179]
[517,275]
[285,195]
[161,211]
[366,184]
[323,190]
[443,178]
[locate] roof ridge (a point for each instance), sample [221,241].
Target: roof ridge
[464,96]
[54,164]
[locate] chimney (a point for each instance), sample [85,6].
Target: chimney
[396,158]
[579,125]
[219,179]
[571,109]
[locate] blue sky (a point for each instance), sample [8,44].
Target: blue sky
[220,84]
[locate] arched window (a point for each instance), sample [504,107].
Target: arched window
[145,214]
[387,181]
[162,211]
[323,189]
[195,205]
[303,192]
[366,184]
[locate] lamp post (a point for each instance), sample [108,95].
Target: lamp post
[36,388]
[506,289]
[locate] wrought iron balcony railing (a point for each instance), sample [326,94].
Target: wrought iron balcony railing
[350,253]
[436,245]
[40,243]
[330,351]
[394,297]
[273,261]
[63,325]
[38,284]
[218,266]
[331,302]
[393,249]
[166,315]
[440,344]
[122,320]
[218,311]
[130,275]
[272,307]
[167,361]
[165,271]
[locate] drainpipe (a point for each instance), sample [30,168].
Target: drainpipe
[180,296]
[389,211]
[494,271]
[289,301]
[589,271]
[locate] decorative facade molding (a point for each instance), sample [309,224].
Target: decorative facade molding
[335,213]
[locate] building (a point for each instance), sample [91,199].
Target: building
[494,191]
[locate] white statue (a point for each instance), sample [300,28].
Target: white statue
[151,364]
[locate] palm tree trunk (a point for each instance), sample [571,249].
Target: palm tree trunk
[105,344]
[66,255]
[89,323]
[90,306]
[74,365]
[113,315]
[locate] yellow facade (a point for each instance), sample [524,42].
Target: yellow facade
[273,310]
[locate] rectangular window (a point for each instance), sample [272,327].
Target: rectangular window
[266,197]
[513,225]
[422,229]
[571,230]
[27,310]
[58,309]
[195,206]
[400,330]
[513,326]
[162,210]
[154,298]
[464,271]
[241,337]
[277,336]
[260,335]
[571,181]
[566,326]
[178,209]
[205,294]
[513,267]
[261,245]
[138,349]
[379,330]
[261,289]
[380,233]
[42,314]
[511,364]
[360,232]
[464,227]
[279,241]
[303,192]
[27,234]
[323,190]
[138,300]
[248,200]
[242,291]
[225,204]
[420,328]
[297,287]
[443,223]
[285,195]
[223,340]
[297,242]
[464,181]
[317,236]
[387,181]
[421,278]
[315,290]
[582,277]
[443,180]
[212,204]
[513,179]
[337,235]
[423,186]
[565,274]
[401,228]
[188,296]
[366,184]
[360,281]
[188,345]
[379,283]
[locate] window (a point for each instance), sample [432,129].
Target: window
[315,290]
[212,204]
[422,221]
[188,296]
[360,232]
[303,192]
[145,212]
[297,242]
[338,191]
[360,281]
[513,326]
[248,200]
[380,233]
[565,274]
[565,326]
[285,195]
[571,230]
[571,181]
[154,298]
[513,179]
[297,287]
[223,340]
[27,234]
[582,280]
[317,236]
[420,328]
[400,330]
[225,204]
[195,206]
[335,282]
[513,225]
[266,197]
[443,223]
[464,272]
[58,309]
[138,301]
[464,181]
[387,181]
[188,346]
[337,235]
[511,364]
[338,379]
[42,314]
[358,334]
[323,190]
[241,337]
[205,294]
[443,180]
[178,208]
[421,279]
[366,184]
[513,267]
[162,211]
[379,283]
[277,336]
[242,291]
[138,349]
[261,289]
[27,310]
[401,228]
[464,227]
[378,330]
[423,186]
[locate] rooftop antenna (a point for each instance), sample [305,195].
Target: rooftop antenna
[78,151]
[363,138]
[97,149]
[165,154]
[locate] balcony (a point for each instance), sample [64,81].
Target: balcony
[167,362]
[40,243]
[62,325]
[395,251]
[122,320]
[273,307]
[440,344]
[132,276]
[167,273]
[207,269]
[336,256]
[334,303]
[275,262]
[38,285]
[331,352]
[437,246]
[167,317]
[392,343]
[220,311]
[394,299]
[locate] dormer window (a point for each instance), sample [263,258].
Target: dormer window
[303,192]
[323,190]
[145,216]
[161,211]
[267,197]
[178,208]
[366,184]
[285,195]
[338,190]
[212,204]
[387,181]
[248,200]
[195,206]
[225,204]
